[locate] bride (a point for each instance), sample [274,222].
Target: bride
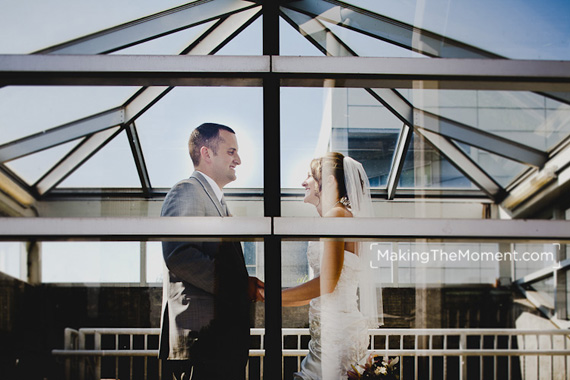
[341,296]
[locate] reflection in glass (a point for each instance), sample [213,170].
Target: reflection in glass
[536,30]
[524,117]
[424,167]
[501,169]
[533,257]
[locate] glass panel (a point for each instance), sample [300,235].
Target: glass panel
[38,25]
[293,43]
[165,128]
[247,42]
[173,43]
[84,262]
[500,168]
[31,168]
[525,117]
[112,166]
[32,109]
[424,167]
[529,30]
[366,46]
[12,259]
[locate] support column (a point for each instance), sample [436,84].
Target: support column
[560,276]
[272,368]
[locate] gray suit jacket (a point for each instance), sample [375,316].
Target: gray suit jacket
[205,300]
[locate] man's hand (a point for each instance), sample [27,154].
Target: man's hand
[256,289]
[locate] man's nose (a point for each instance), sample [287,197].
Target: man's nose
[237,159]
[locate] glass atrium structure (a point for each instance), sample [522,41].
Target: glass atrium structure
[460,116]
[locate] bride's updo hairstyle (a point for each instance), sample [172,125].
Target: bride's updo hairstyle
[333,163]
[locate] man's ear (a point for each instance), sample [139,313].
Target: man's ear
[205,154]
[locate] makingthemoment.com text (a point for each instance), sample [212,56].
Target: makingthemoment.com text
[438,255]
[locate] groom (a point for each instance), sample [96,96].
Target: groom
[207,291]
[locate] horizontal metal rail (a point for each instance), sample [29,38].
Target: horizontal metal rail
[367,72]
[286,227]
[510,350]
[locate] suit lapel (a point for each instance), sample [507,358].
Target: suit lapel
[209,191]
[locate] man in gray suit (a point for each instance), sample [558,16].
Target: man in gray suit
[207,291]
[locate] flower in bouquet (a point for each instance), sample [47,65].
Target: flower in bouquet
[375,368]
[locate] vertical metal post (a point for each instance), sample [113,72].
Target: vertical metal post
[560,276]
[272,196]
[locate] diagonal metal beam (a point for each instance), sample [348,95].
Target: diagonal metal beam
[464,164]
[402,146]
[387,29]
[138,156]
[87,148]
[150,27]
[61,134]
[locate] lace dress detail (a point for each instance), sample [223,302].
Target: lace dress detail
[339,334]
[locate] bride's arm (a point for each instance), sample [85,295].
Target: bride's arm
[333,256]
[302,294]
[331,267]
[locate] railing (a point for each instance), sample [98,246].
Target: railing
[92,353]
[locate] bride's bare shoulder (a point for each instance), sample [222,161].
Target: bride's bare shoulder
[338,212]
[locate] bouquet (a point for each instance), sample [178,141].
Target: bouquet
[376,367]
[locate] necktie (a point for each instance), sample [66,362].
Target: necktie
[225,207]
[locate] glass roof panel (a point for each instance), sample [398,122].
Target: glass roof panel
[425,168]
[112,166]
[173,43]
[32,167]
[525,117]
[366,46]
[500,168]
[293,43]
[32,109]
[34,25]
[248,42]
[165,128]
[512,28]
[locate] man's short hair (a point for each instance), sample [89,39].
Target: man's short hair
[208,135]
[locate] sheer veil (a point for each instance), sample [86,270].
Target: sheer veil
[358,192]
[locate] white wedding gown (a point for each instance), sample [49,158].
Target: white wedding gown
[339,334]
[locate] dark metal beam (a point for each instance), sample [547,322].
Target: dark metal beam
[272,196]
[150,27]
[138,156]
[100,70]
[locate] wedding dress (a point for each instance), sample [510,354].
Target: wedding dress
[339,332]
